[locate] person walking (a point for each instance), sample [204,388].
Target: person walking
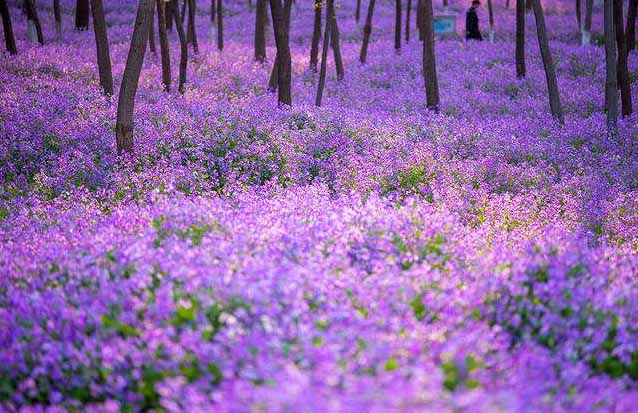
[472,31]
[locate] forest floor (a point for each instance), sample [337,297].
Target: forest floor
[366,256]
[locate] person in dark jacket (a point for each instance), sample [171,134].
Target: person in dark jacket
[472,31]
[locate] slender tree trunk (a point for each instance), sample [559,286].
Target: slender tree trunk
[260,30]
[367,31]
[632,9]
[131,77]
[419,18]
[164,45]
[407,22]
[183,59]
[611,85]
[212,21]
[102,46]
[334,40]
[622,70]
[507,4]
[151,31]
[58,19]
[7,27]
[397,26]
[274,73]
[586,36]
[280,22]
[429,58]
[578,16]
[490,11]
[529,4]
[316,36]
[183,14]
[357,13]
[520,39]
[220,25]
[82,15]
[33,19]
[169,15]
[192,30]
[445,6]
[552,84]
[324,55]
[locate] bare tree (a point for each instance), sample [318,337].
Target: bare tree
[192,30]
[183,59]
[578,16]
[622,70]
[407,22]
[324,56]
[261,17]
[586,34]
[334,40]
[520,39]
[220,25]
[429,58]
[33,20]
[490,11]
[7,27]
[212,21]
[550,74]
[611,85]
[632,9]
[57,15]
[419,18]
[280,22]
[316,35]
[82,15]
[131,77]
[164,46]
[397,26]
[357,13]
[367,31]
[151,31]
[102,46]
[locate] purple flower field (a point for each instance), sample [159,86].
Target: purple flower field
[369,255]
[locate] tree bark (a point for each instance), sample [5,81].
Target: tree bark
[7,27]
[397,26]
[260,31]
[632,9]
[445,6]
[578,16]
[490,11]
[407,22]
[622,70]
[552,84]
[102,47]
[367,31]
[58,19]
[324,55]
[169,15]
[151,31]
[334,40]
[220,25]
[183,59]
[131,77]
[212,21]
[82,15]
[164,45]
[419,18]
[357,13]
[316,36]
[520,39]
[280,22]
[192,30]
[429,58]
[611,85]
[32,16]
[586,36]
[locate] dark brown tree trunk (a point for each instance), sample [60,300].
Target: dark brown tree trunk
[397,26]
[32,16]
[260,31]
[220,25]
[490,11]
[57,15]
[578,16]
[419,18]
[429,59]
[507,4]
[183,59]
[334,40]
[631,25]
[7,27]
[82,15]
[192,30]
[586,35]
[274,74]
[169,15]
[131,77]
[183,14]
[281,22]
[552,84]
[622,70]
[102,46]
[520,39]
[324,55]
[212,21]
[151,31]
[367,31]
[164,45]
[611,83]
[407,22]
[316,36]
[357,12]
[529,4]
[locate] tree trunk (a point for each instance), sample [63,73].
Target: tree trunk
[397,26]
[32,17]
[507,4]
[419,18]
[183,14]
[334,40]
[490,11]
[169,15]
[280,22]
[529,4]
[552,84]
[183,59]
[611,85]
[586,36]
[324,55]
[102,46]
[316,36]
[131,77]
[151,31]
[622,70]
[407,22]
[445,6]
[357,13]
[260,31]
[367,31]
[164,45]
[58,19]
[429,59]
[220,25]
[631,25]
[7,27]
[520,39]
[82,15]
[192,30]
[578,16]
[274,73]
